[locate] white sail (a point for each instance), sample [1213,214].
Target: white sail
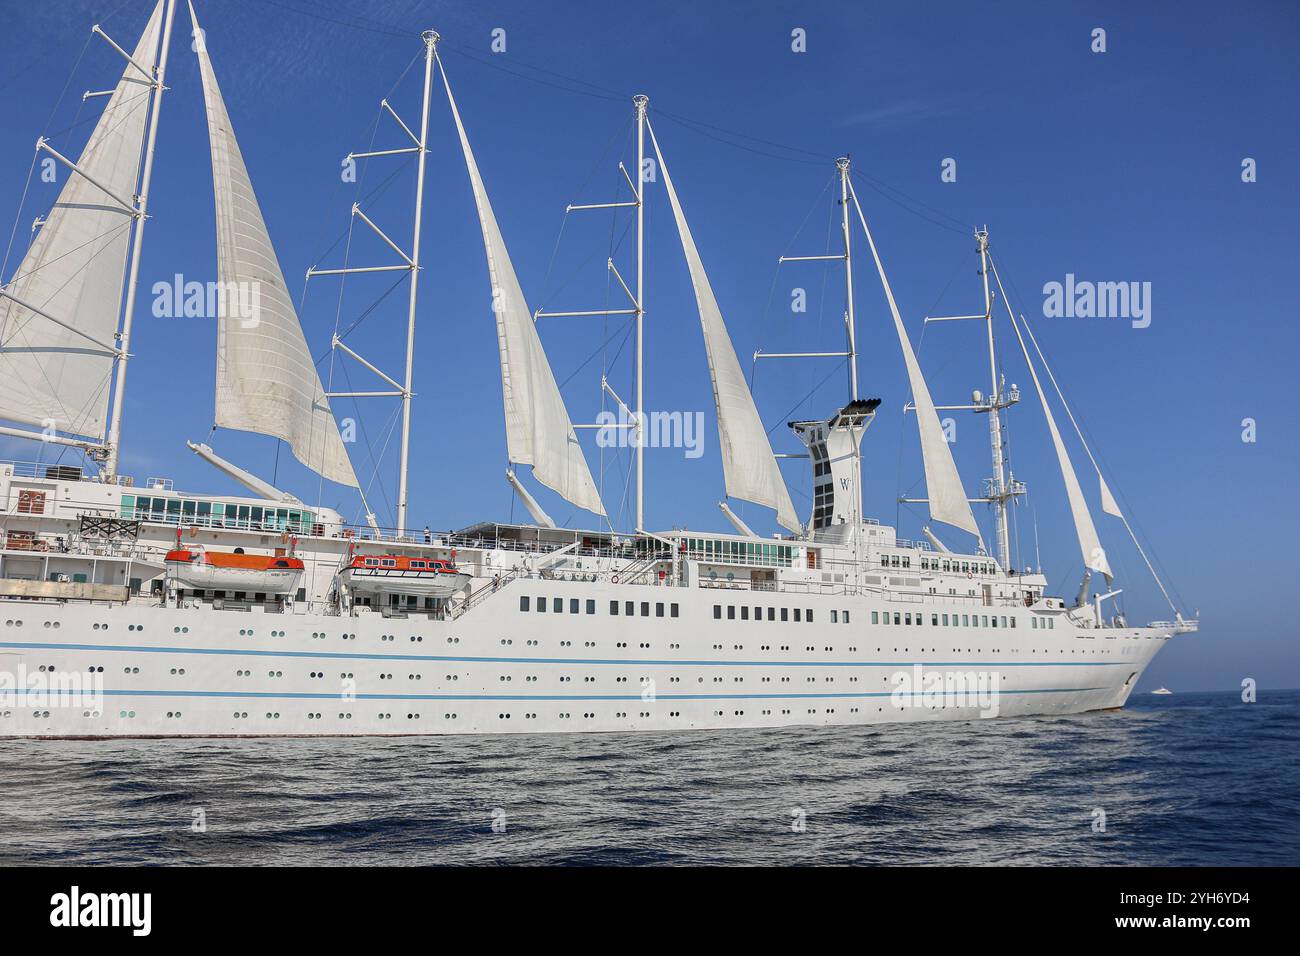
[74,271]
[947,497]
[1108,503]
[749,468]
[1094,556]
[538,429]
[266,379]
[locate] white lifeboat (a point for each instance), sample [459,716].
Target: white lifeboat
[399,574]
[200,569]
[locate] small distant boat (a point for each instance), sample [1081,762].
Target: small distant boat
[204,570]
[399,574]
[1162,690]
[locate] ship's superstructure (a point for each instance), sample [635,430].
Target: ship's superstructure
[143,610]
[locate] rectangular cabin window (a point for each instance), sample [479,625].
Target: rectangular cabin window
[645,608]
[613,608]
[995,620]
[417,565]
[758,614]
[898,618]
[985,620]
[541,605]
[965,620]
[797,614]
[846,617]
[771,614]
[744,612]
[1013,621]
[945,620]
[591,605]
[717,612]
[629,608]
[557,605]
[886,617]
[672,610]
[785,614]
[731,612]
[875,617]
[809,616]
[523,602]
[835,617]
[659,609]
[934,620]
[907,618]
[1033,622]
[573,605]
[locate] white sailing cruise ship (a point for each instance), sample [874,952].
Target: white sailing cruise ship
[141,610]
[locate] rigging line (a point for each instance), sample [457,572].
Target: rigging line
[68,82]
[375,461]
[370,309]
[365,26]
[697,128]
[13,233]
[880,185]
[820,157]
[79,121]
[627,333]
[794,408]
[1079,431]
[614,97]
[614,246]
[963,230]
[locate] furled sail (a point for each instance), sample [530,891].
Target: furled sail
[538,429]
[56,367]
[1094,556]
[947,497]
[749,468]
[266,380]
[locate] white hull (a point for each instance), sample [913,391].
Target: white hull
[501,670]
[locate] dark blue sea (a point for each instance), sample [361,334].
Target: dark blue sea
[1199,779]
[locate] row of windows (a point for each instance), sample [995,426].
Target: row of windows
[937,564]
[747,552]
[800,614]
[906,618]
[216,514]
[578,606]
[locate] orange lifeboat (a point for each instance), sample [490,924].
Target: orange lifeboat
[198,568]
[400,574]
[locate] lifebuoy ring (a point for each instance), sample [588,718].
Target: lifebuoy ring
[614,579]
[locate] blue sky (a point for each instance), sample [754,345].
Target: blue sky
[1115,166]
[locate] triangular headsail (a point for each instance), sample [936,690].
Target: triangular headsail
[56,366]
[538,429]
[748,464]
[947,497]
[1094,556]
[266,379]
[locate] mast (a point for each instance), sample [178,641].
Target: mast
[636,413]
[113,436]
[998,492]
[843,165]
[430,38]
[641,101]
